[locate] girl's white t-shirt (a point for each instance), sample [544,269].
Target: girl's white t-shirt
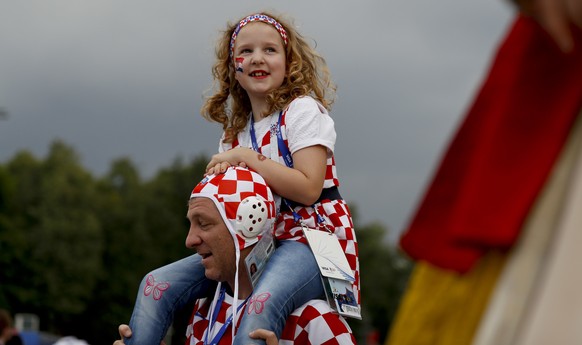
[307,124]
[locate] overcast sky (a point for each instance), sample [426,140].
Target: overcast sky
[117,78]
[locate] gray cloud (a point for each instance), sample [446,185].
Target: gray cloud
[116,78]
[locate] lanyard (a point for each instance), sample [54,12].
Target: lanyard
[228,321]
[284,151]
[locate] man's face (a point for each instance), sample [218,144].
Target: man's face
[209,236]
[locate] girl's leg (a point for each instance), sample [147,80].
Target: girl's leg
[290,279]
[161,293]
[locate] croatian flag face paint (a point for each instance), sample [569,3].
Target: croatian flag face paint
[238,63]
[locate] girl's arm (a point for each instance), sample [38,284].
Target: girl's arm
[302,183]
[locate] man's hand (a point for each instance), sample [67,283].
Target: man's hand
[125,332]
[268,336]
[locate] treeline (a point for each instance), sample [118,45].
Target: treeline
[74,247]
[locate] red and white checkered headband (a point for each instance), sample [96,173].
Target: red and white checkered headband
[244,201]
[254,18]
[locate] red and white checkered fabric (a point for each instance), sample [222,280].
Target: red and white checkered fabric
[311,324]
[229,189]
[335,212]
[315,127]
[314,324]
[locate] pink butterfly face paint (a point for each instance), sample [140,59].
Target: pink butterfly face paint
[155,289]
[238,63]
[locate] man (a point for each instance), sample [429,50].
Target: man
[229,213]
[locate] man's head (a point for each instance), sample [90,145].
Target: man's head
[234,207]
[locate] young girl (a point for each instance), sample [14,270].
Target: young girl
[272,99]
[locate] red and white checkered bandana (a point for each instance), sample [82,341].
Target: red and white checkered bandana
[244,200]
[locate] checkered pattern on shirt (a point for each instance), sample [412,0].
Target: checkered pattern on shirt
[311,324]
[314,324]
[339,220]
[335,212]
[199,322]
[331,178]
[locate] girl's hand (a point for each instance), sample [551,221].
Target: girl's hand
[268,336]
[221,161]
[218,168]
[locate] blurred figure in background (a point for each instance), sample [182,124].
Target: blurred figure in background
[8,334]
[70,340]
[495,235]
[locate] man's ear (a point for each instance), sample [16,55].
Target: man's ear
[251,217]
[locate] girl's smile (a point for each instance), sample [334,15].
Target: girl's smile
[259,74]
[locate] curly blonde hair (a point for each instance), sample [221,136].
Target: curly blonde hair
[307,74]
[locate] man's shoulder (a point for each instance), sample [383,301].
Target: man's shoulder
[315,323]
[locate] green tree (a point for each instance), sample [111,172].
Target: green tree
[18,213]
[169,192]
[384,274]
[68,239]
[121,212]
[11,240]
[73,248]
[52,236]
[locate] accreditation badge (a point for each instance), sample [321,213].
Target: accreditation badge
[335,271]
[256,260]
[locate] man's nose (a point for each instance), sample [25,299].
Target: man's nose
[193,239]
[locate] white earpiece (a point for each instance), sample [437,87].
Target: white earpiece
[251,216]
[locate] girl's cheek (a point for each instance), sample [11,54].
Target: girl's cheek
[238,64]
